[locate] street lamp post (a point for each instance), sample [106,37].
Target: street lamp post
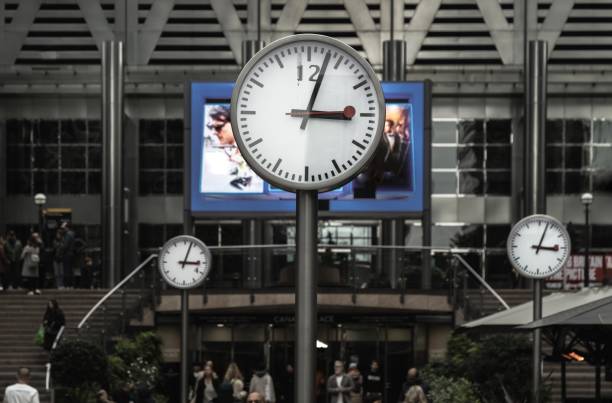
[40,199]
[587,199]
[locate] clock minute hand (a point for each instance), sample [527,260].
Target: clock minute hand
[315,90]
[541,239]
[186,256]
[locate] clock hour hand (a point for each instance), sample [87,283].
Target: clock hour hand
[346,114]
[554,248]
[315,90]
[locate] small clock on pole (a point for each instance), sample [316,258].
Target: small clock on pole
[184,263]
[538,246]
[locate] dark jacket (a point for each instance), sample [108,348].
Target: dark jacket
[53,320]
[200,388]
[13,250]
[373,383]
[346,385]
[4,263]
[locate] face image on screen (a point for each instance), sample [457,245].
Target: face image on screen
[389,174]
[224,170]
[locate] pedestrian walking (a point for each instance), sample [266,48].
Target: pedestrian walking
[4,264]
[53,321]
[58,266]
[231,389]
[207,386]
[21,392]
[262,383]
[67,254]
[373,384]
[357,378]
[31,262]
[412,379]
[415,395]
[339,385]
[287,384]
[13,249]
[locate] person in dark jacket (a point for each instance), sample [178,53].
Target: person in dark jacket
[4,264]
[52,322]
[207,387]
[13,249]
[374,385]
[66,253]
[412,379]
[287,385]
[339,385]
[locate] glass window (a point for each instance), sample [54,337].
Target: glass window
[577,131]
[444,131]
[444,157]
[470,157]
[53,156]
[444,182]
[554,182]
[471,182]
[602,131]
[470,236]
[161,156]
[499,130]
[554,157]
[471,131]
[499,157]
[499,183]
[554,131]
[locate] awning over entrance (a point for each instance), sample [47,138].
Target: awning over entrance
[588,305]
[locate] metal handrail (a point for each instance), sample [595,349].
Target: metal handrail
[481,280]
[58,337]
[114,289]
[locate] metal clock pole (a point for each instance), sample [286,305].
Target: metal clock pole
[184,345]
[306,294]
[536,197]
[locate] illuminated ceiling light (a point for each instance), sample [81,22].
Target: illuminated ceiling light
[320,344]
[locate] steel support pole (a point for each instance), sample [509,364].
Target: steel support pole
[112,142]
[184,345]
[394,69]
[535,118]
[306,296]
[587,246]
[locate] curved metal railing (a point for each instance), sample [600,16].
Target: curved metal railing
[119,285]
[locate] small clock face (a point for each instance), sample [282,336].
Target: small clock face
[307,113]
[538,246]
[184,262]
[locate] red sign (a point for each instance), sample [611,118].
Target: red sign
[572,274]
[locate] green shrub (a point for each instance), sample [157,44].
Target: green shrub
[80,368]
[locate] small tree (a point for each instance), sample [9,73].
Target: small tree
[80,368]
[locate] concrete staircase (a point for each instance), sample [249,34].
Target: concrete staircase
[21,315]
[483,303]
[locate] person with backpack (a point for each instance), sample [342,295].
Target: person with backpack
[31,261]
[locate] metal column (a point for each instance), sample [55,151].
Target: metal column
[184,345]
[394,69]
[112,141]
[535,192]
[306,296]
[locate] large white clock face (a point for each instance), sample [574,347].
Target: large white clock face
[307,113]
[184,262]
[538,246]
